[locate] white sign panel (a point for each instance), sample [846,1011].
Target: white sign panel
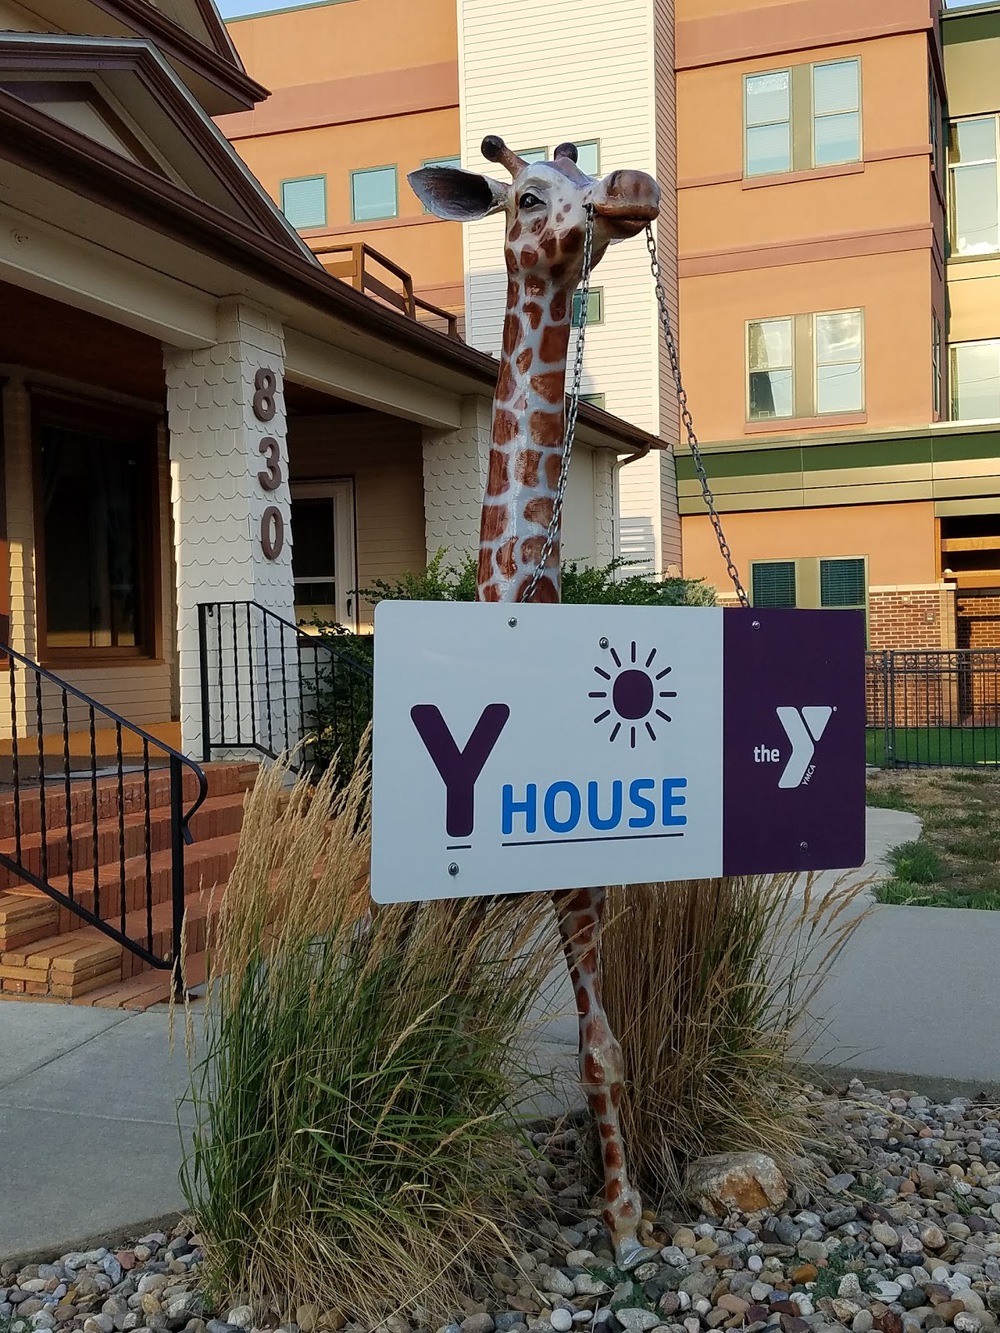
[520,748]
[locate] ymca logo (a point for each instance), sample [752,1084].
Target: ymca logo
[804,727]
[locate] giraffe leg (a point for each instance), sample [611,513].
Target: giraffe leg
[580,914]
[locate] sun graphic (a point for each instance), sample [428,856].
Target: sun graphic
[633,692]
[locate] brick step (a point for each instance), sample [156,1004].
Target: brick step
[24,919]
[145,989]
[219,816]
[68,966]
[223,780]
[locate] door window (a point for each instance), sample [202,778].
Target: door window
[323,553]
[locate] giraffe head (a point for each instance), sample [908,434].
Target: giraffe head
[546,207]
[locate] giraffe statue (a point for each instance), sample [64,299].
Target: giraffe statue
[547,206]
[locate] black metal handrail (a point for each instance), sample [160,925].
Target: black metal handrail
[72,793]
[269,686]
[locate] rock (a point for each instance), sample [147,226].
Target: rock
[98,1323]
[887,1290]
[850,1286]
[242,1317]
[639,1256]
[684,1238]
[968,1323]
[636,1320]
[561,1320]
[885,1235]
[862,1322]
[585,1284]
[746,1182]
[733,1304]
[840,1184]
[804,1273]
[844,1309]
[477,1323]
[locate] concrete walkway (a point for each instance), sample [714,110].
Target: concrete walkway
[89,1143]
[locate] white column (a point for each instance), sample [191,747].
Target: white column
[455,464]
[232,529]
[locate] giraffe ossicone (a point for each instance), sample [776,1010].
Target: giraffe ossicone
[546,206]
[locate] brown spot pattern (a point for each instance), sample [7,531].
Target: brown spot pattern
[531,550]
[546,428]
[583,1001]
[494,523]
[555,340]
[504,426]
[484,569]
[515,231]
[534,313]
[498,479]
[553,466]
[524,360]
[534,285]
[616,1095]
[599,1104]
[511,332]
[572,242]
[549,386]
[558,307]
[505,384]
[557,271]
[545,591]
[607,1129]
[506,563]
[611,1194]
[529,256]
[591,1070]
[526,467]
[549,246]
[539,511]
[489,593]
[613,1157]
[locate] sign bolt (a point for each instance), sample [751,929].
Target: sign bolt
[755,624]
[513,624]
[804,846]
[603,643]
[453,867]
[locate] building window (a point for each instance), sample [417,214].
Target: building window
[805,365]
[594,399]
[303,201]
[975,186]
[531,155]
[803,117]
[975,381]
[772,582]
[833,584]
[595,307]
[373,194]
[937,366]
[97,517]
[589,157]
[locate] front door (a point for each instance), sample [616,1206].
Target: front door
[323,563]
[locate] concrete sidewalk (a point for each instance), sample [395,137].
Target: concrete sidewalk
[89,1142]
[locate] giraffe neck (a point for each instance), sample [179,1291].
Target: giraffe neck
[529,421]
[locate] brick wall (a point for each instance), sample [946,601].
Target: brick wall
[979,620]
[922,616]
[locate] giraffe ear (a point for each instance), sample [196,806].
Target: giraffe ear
[461,196]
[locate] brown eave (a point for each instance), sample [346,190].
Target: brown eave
[49,149]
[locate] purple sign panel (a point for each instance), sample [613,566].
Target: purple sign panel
[793,740]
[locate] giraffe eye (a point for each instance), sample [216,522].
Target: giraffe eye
[530,200]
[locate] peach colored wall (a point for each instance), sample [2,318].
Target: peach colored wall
[309,45]
[893,289]
[898,539]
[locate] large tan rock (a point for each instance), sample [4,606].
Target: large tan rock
[744,1182]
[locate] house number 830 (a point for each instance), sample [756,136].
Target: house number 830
[272,525]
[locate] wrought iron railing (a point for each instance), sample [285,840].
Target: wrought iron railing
[934,707]
[271,687]
[77,831]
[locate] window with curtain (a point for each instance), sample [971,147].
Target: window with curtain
[805,365]
[303,201]
[974,193]
[771,369]
[97,505]
[803,117]
[810,582]
[772,583]
[843,584]
[975,381]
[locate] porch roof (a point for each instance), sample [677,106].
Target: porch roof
[125,209]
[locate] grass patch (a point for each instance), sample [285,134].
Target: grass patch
[935,745]
[956,862]
[704,982]
[355,1142]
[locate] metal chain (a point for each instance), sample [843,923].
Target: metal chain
[686,418]
[552,533]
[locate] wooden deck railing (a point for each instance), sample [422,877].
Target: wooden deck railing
[358,264]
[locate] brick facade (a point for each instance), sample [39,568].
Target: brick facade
[979,620]
[922,616]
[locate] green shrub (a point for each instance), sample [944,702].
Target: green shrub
[915,863]
[355,1146]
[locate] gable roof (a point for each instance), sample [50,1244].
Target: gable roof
[189,34]
[121,93]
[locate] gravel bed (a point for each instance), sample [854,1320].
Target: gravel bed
[893,1225]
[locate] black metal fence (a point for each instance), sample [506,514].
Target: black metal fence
[270,687]
[99,814]
[933,708]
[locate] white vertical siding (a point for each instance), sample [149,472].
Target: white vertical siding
[537,74]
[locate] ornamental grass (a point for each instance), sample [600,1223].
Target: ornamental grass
[708,984]
[355,1143]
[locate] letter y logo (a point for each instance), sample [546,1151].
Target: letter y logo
[460,769]
[803,728]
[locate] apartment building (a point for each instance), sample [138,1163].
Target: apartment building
[839,264]
[364,91]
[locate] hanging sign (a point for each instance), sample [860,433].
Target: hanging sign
[522,748]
